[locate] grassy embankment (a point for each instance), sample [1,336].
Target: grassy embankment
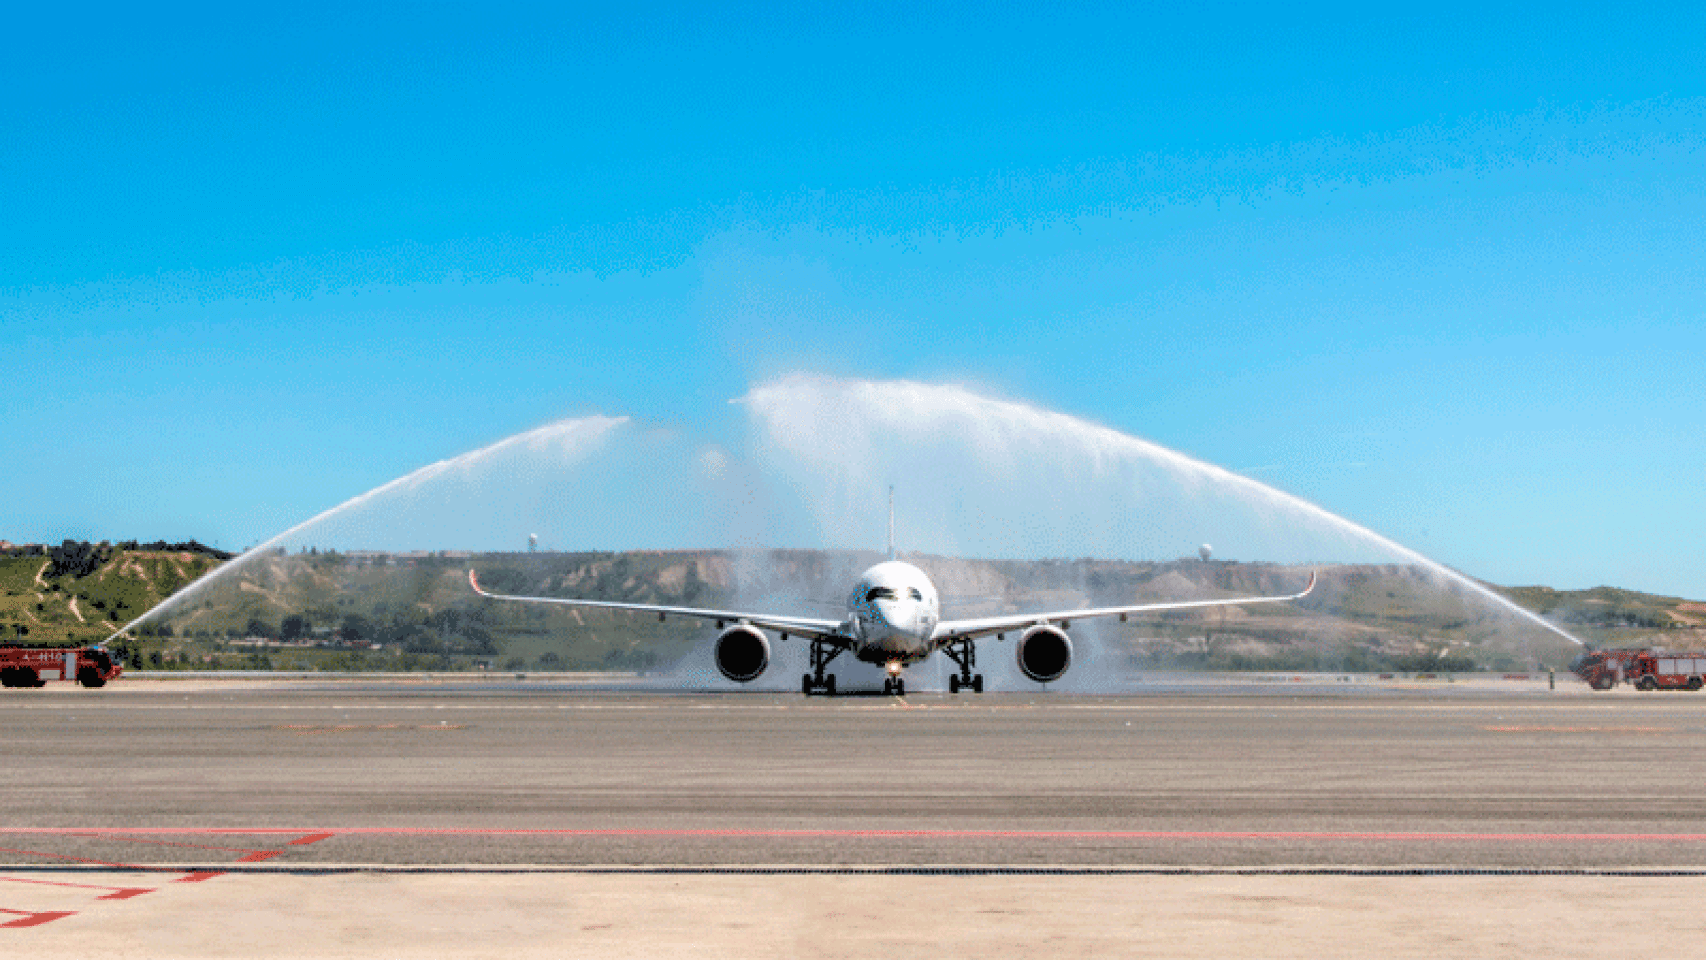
[376,612]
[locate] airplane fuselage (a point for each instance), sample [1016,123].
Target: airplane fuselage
[892,614]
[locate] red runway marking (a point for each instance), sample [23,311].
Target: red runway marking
[37,918]
[118,893]
[163,843]
[61,856]
[311,838]
[1321,835]
[28,919]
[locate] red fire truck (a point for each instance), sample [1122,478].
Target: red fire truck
[1646,669]
[35,666]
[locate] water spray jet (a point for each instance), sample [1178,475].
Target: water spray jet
[847,434]
[971,467]
[574,436]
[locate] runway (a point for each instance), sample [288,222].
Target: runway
[421,774]
[173,787]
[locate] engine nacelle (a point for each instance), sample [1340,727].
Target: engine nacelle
[1044,653]
[742,653]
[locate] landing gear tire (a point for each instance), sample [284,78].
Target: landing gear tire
[888,688]
[822,652]
[899,687]
[964,654]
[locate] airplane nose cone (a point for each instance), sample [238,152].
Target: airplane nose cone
[904,622]
[897,613]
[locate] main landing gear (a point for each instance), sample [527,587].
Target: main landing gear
[964,653]
[894,686]
[817,680]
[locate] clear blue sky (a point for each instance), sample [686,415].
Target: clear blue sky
[1441,270]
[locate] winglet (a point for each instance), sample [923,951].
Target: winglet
[1305,592]
[475,583]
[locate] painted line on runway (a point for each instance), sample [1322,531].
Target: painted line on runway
[947,870]
[117,893]
[27,918]
[190,874]
[957,870]
[316,730]
[1555,728]
[168,843]
[61,856]
[311,835]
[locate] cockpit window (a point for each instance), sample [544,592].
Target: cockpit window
[880,593]
[915,594]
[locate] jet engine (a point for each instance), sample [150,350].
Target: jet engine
[1044,653]
[742,653]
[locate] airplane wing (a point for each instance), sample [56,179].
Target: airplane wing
[810,628]
[983,626]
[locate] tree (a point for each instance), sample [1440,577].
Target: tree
[75,558]
[292,627]
[356,628]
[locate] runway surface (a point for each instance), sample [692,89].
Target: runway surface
[406,774]
[411,818]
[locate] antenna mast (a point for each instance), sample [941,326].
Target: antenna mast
[891,521]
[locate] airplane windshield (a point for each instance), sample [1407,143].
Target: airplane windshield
[915,594]
[881,593]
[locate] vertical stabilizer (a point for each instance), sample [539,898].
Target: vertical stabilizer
[891,521]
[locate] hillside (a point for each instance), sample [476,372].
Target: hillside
[415,611]
[80,593]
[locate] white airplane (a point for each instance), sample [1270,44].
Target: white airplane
[894,619]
